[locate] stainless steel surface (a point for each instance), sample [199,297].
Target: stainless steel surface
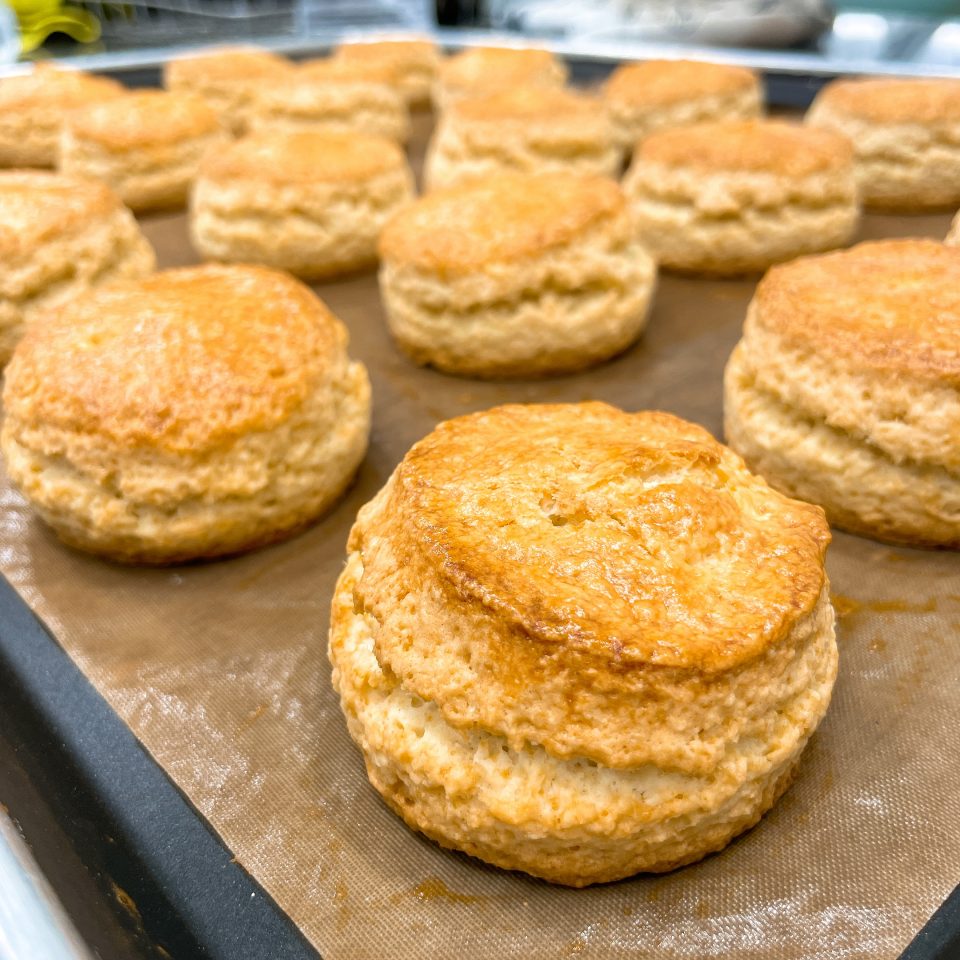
[33,925]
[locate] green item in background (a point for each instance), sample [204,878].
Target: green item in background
[39,18]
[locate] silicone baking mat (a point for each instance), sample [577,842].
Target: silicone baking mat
[221,672]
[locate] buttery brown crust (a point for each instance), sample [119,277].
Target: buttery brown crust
[659,83]
[580,642]
[224,65]
[749,146]
[501,218]
[930,100]
[221,351]
[480,70]
[303,156]
[890,306]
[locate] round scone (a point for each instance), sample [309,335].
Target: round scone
[410,62]
[33,107]
[643,97]
[738,195]
[906,134]
[199,412]
[845,389]
[580,642]
[309,202]
[147,145]
[516,275]
[527,129]
[331,96]
[227,78]
[59,237]
[480,71]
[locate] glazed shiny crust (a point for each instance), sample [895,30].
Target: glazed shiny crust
[603,616]
[749,146]
[499,219]
[845,389]
[660,83]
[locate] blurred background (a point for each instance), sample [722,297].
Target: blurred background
[785,37]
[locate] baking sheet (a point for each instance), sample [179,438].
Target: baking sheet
[221,671]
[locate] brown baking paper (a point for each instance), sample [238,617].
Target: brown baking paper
[221,671]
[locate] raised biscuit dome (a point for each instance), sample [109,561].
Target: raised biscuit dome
[660,83]
[581,642]
[224,65]
[480,70]
[844,388]
[196,412]
[500,219]
[930,100]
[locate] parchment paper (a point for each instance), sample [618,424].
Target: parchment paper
[221,671]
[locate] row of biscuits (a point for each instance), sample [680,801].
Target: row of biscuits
[520,639]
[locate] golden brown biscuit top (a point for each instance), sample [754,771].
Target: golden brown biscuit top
[343,70]
[495,67]
[182,361]
[890,305]
[144,118]
[498,218]
[49,88]
[225,65]
[305,156]
[635,536]
[748,146]
[659,83]
[37,206]
[522,104]
[398,54]
[895,99]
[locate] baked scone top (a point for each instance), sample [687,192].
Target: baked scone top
[498,218]
[144,118]
[523,104]
[890,305]
[48,87]
[224,65]
[304,156]
[398,52]
[347,70]
[37,206]
[895,99]
[500,66]
[634,536]
[659,83]
[748,146]
[180,361]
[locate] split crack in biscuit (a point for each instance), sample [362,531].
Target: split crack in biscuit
[59,237]
[409,63]
[844,388]
[227,78]
[309,202]
[516,275]
[735,196]
[147,145]
[331,96]
[480,71]
[196,413]
[33,108]
[526,129]
[648,96]
[906,134]
[582,643]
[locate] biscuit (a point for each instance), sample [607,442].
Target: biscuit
[331,96]
[33,107]
[953,235]
[198,412]
[845,389]
[582,643]
[906,134]
[480,71]
[643,97]
[227,78]
[411,63]
[146,146]
[526,129]
[60,236]
[738,195]
[309,202]
[516,275]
